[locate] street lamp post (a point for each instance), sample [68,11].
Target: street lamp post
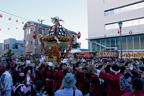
[120,27]
[41,20]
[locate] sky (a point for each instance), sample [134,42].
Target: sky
[73,12]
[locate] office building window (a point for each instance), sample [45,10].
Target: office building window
[6,46]
[136,42]
[29,31]
[118,43]
[129,43]
[113,42]
[29,43]
[124,43]
[125,24]
[142,41]
[123,9]
[141,21]
[39,43]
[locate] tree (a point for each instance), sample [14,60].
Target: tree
[9,54]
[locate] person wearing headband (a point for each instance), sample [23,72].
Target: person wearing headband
[116,80]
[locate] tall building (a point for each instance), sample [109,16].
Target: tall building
[16,46]
[103,28]
[33,46]
[1,48]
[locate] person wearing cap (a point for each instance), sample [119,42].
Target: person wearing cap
[49,78]
[137,86]
[68,87]
[6,82]
[116,80]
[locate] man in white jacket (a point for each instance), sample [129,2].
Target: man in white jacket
[6,82]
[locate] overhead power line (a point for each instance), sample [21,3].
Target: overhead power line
[15,15]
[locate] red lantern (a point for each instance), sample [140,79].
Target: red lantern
[79,43]
[35,47]
[88,41]
[16,28]
[0,29]
[104,36]
[8,28]
[69,45]
[22,22]
[118,31]
[9,18]
[130,32]
[16,20]
[34,35]
[79,35]
[1,16]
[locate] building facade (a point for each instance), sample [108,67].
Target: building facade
[103,28]
[33,46]
[16,46]
[1,48]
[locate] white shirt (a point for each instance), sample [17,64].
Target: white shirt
[68,92]
[6,81]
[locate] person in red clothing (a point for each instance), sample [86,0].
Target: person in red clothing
[43,73]
[83,81]
[137,86]
[49,79]
[116,80]
[95,86]
[58,76]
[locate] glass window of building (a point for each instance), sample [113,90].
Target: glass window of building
[141,21]
[129,43]
[113,42]
[136,42]
[128,8]
[141,5]
[107,42]
[103,45]
[123,9]
[39,43]
[27,43]
[124,24]
[111,12]
[93,47]
[116,11]
[118,43]
[129,23]
[134,6]
[106,13]
[31,31]
[142,41]
[124,43]
[135,22]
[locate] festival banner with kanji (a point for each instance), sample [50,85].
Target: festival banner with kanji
[132,54]
[107,54]
[89,55]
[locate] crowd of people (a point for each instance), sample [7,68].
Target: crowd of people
[72,77]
